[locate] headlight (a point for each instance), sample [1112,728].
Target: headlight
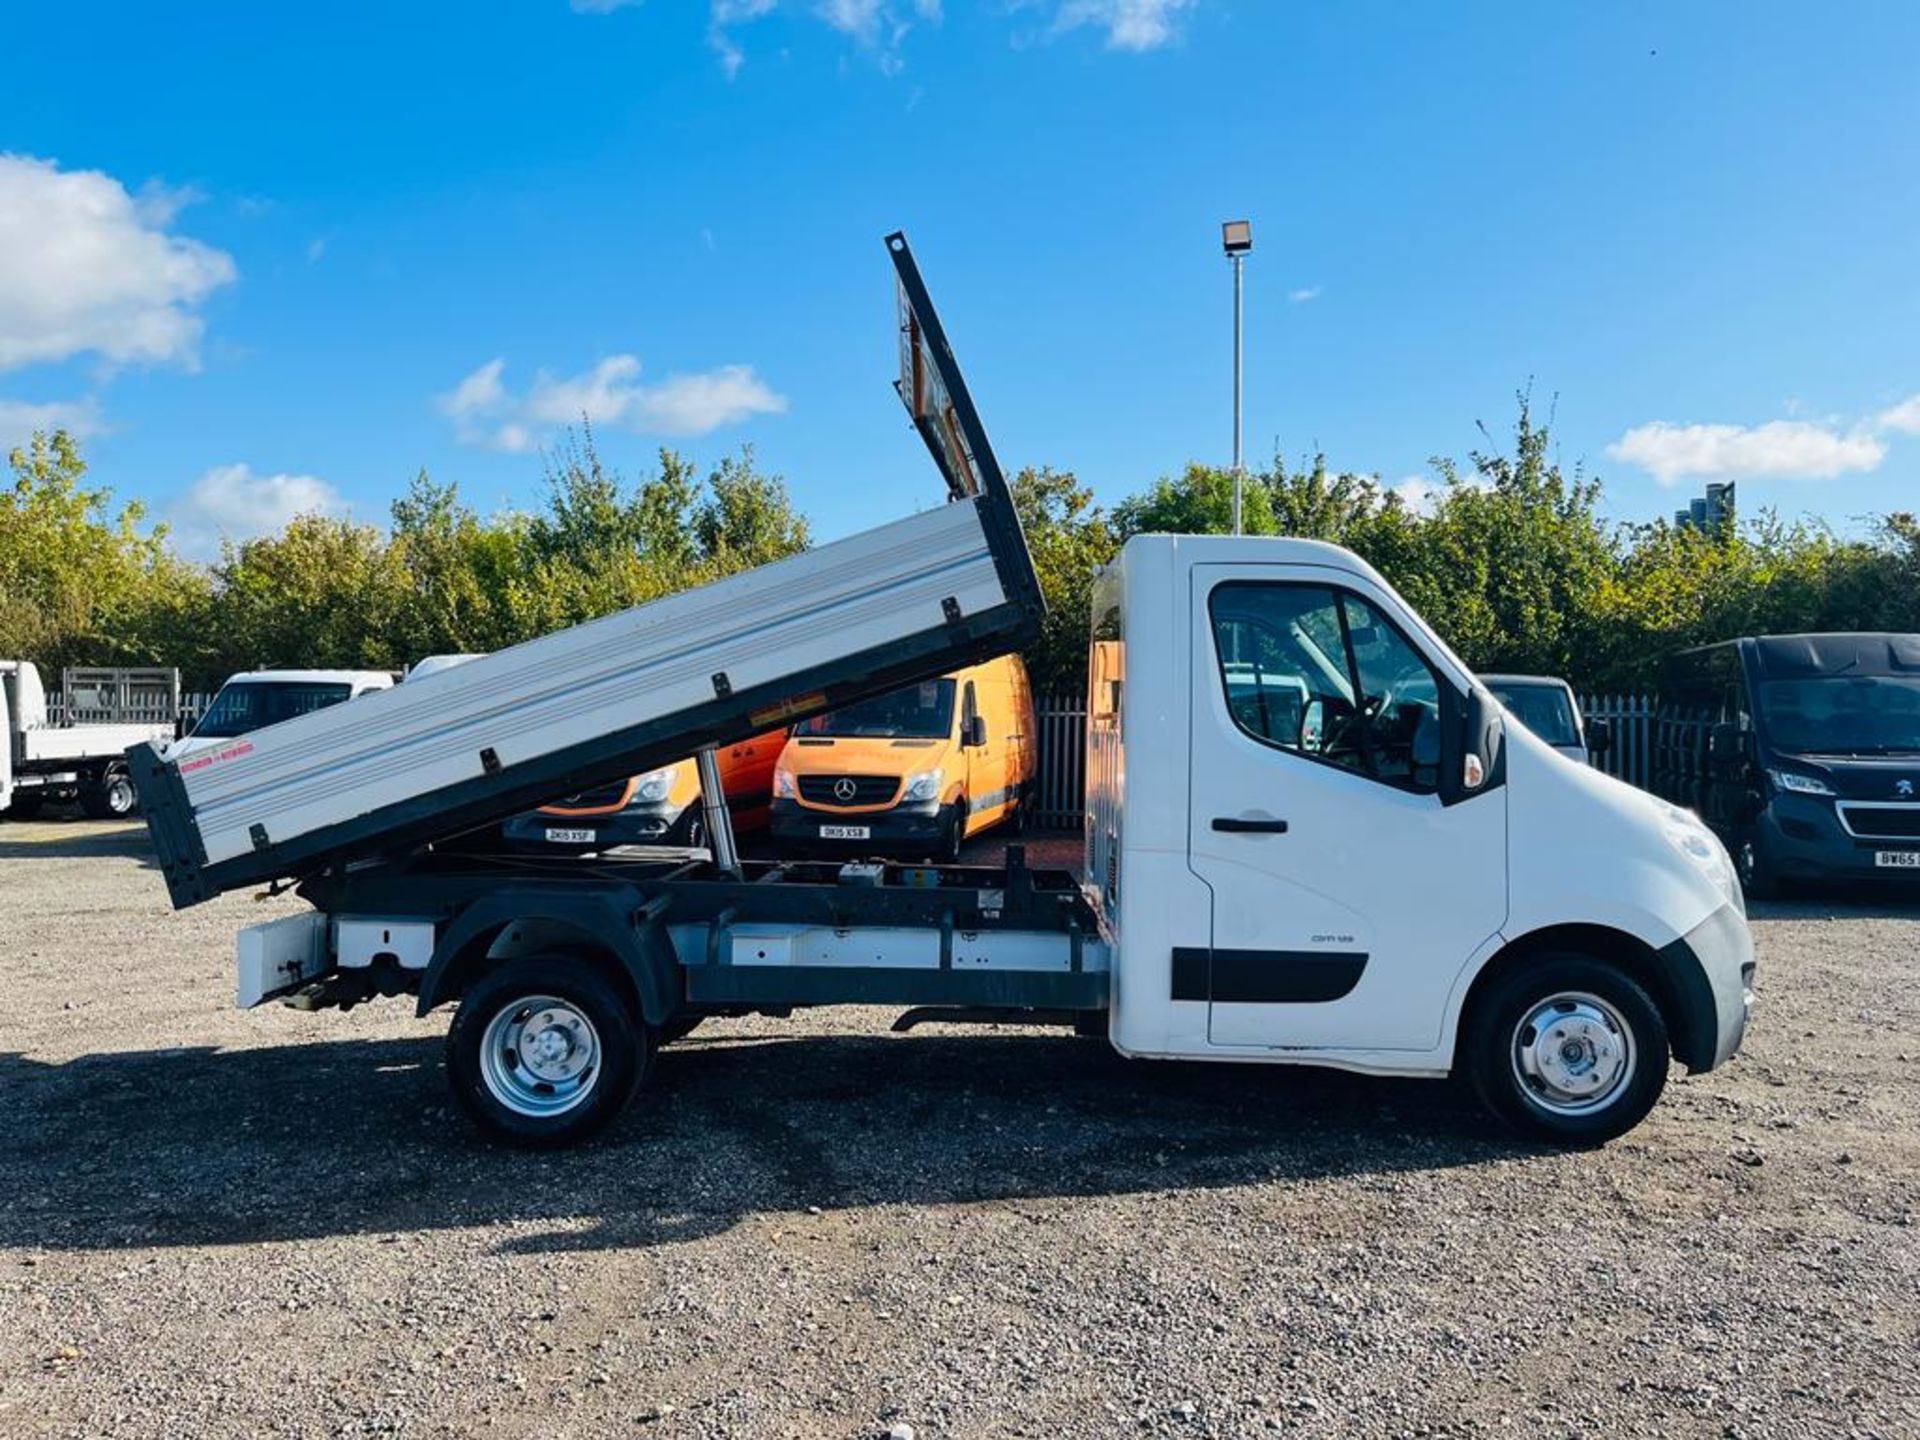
[1691,838]
[1795,783]
[655,784]
[924,786]
[783,783]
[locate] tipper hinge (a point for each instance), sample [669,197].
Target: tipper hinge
[258,835]
[722,686]
[490,760]
[950,607]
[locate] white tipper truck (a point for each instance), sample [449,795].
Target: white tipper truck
[1310,837]
[74,748]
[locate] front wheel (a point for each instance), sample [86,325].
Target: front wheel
[544,1051]
[1567,1049]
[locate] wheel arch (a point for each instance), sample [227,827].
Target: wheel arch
[638,959]
[1671,976]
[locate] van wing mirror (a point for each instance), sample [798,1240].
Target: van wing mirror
[1726,746]
[976,732]
[1477,765]
[1599,736]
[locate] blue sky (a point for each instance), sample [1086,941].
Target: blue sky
[268,256]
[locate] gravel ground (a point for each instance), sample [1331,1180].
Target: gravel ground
[218,1224]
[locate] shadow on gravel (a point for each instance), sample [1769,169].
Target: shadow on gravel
[49,840]
[202,1147]
[1853,902]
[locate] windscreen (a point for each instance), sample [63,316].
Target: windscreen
[1543,709]
[918,712]
[1843,715]
[253,704]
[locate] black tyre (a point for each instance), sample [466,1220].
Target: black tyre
[1566,1048]
[1759,880]
[112,797]
[953,834]
[545,1051]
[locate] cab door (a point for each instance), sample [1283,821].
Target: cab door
[1346,896]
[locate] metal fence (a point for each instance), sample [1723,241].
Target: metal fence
[1062,724]
[1631,716]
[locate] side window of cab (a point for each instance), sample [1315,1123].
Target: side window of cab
[1317,671]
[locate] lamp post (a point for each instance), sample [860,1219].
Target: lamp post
[1236,239]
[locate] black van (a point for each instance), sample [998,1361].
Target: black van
[1801,751]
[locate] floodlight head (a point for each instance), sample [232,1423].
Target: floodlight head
[1236,237]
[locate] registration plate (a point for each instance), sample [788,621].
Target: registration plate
[1897,859]
[571,837]
[846,832]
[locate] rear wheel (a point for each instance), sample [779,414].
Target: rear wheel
[1568,1049]
[544,1051]
[111,797]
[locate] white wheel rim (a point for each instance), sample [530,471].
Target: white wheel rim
[1573,1054]
[540,1056]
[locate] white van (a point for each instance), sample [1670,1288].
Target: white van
[255,699]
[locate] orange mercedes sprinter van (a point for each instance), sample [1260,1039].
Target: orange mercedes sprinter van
[916,771]
[661,807]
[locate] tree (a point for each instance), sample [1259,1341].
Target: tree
[1070,538]
[81,581]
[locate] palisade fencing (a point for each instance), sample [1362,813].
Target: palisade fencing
[1631,716]
[1061,776]
[1062,724]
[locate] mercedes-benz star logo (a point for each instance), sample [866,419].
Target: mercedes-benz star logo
[844,789]
[1903,788]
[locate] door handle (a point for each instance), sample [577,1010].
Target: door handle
[1240,825]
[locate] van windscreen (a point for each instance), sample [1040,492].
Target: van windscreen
[917,712]
[254,704]
[1843,714]
[1543,709]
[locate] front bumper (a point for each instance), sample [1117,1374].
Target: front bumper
[1802,839]
[1710,975]
[914,823]
[641,823]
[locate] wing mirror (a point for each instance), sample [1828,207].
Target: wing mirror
[975,732]
[1726,746]
[1475,763]
[1599,736]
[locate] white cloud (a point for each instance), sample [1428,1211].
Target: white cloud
[485,412]
[1421,493]
[1777,450]
[1904,417]
[231,502]
[87,267]
[1303,295]
[1129,24]
[20,418]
